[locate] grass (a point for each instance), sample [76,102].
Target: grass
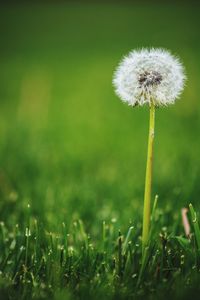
[71,151]
[65,264]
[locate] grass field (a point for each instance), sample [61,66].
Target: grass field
[72,155]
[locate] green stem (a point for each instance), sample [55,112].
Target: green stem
[148,179]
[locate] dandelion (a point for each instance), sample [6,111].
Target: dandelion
[149,75]
[155,78]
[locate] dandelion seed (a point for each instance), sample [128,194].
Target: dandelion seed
[149,75]
[154,77]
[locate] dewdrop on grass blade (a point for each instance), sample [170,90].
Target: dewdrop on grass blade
[152,77]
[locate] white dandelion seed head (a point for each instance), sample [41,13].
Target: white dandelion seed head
[148,75]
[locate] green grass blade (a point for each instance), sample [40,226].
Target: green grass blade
[127,239]
[196,225]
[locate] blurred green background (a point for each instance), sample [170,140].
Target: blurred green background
[68,146]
